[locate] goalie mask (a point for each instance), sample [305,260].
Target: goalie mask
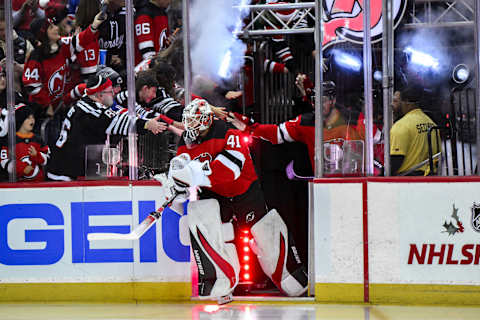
[197,117]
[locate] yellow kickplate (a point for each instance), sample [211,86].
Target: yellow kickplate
[405,294]
[101,292]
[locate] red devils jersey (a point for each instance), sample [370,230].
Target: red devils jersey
[302,129]
[229,157]
[151,31]
[87,59]
[47,78]
[24,159]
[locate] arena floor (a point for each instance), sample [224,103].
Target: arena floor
[233,311]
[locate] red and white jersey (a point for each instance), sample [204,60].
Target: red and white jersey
[151,31]
[301,129]
[24,159]
[87,59]
[232,166]
[46,78]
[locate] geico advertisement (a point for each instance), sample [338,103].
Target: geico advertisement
[43,236]
[432,231]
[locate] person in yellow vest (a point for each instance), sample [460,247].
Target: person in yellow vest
[409,134]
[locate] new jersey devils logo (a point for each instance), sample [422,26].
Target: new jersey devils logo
[204,157]
[343,20]
[55,83]
[35,171]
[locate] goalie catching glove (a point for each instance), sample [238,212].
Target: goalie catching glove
[187,173]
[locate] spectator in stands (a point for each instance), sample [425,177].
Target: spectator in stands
[300,129]
[46,73]
[88,122]
[332,115]
[87,59]
[24,12]
[17,79]
[21,51]
[151,29]
[146,86]
[59,11]
[22,48]
[117,80]
[165,102]
[3,105]
[19,99]
[112,36]
[31,153]
[3,121]
[409,134]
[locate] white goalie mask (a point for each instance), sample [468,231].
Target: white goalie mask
[197,117]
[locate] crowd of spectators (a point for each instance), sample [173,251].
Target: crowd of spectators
[62,48]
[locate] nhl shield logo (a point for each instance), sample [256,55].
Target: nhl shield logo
[476,217]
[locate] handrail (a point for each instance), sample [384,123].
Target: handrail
[420,164]
[430,150]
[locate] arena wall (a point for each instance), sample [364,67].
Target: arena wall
[45,255]
[394,240]
[397,240]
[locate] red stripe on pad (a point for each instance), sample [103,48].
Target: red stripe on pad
[222,263]
[277,275]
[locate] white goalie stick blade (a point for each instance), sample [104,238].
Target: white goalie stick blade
[139,230]
[291,175]
[134,235]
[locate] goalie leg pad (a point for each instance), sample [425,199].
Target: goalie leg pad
[278,255]
[217,261]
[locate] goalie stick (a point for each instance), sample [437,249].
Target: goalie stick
[293,176]
[139,230]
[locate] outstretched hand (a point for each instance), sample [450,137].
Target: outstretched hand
[155,126]
[239,124]
[220,112]
[299,80]
[233,95]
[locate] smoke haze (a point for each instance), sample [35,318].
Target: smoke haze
[212,23]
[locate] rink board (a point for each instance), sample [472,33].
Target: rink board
[397,240]
[45,254]
[376,240]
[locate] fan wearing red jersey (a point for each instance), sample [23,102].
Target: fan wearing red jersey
[31,153]
[302,128]
[151,29]
[46,74]
[222,166]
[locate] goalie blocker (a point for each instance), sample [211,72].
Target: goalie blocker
[217,259]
